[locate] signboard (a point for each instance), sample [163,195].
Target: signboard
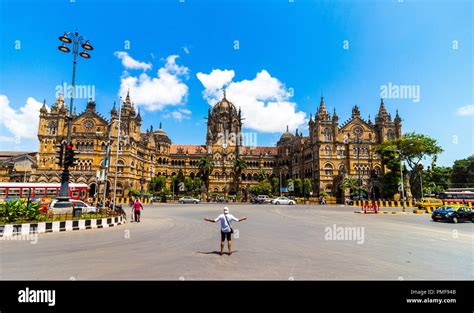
[284,189]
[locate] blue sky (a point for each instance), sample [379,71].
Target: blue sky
[288,54]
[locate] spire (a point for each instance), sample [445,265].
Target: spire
[382,111]
[223,89]
[90,105]
[397,120]
[138,118]
[160,125]
[322,113]
[151,128]
[335,118]
[44,109]
[74,111]
[113,112]
[355,112]
[369,121]
[287,129]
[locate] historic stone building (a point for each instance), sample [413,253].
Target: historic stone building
[330,152]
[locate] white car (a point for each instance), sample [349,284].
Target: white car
[188,199]
[64,207]
[283,200]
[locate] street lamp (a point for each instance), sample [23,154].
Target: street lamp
[75,39]
[359,182]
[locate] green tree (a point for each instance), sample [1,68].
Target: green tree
[436,180]
[157,184]
[463,173]
[307,187]
[263,188]
[275,186]
[262,175]
[205,165]
[189,185]
[238,166]
[298,185]
[352,184]
[412,149]
[196,186]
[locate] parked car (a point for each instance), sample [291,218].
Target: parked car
[452,213]
[283,200]
[428,202]
[72,205]
[262,199]
[188,199]
[356,198]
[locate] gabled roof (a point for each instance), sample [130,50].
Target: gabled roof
[350,121]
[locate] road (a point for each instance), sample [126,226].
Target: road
[276,243]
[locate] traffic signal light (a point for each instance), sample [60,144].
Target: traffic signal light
[60,156]
[69,158]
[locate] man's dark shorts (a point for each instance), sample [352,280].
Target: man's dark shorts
[226,235]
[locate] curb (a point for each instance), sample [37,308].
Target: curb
[383,212]
[59,226]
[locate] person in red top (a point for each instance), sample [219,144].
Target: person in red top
[137,207]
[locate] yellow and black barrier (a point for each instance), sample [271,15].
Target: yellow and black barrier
[122,200]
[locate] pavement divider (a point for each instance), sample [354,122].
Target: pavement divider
[25,229]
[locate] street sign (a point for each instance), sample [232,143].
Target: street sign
[284,189]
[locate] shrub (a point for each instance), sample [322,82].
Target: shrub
[19,210]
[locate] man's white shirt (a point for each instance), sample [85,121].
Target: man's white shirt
[225,227]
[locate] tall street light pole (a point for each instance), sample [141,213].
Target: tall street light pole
[359,182]
[75,39]
[118,150]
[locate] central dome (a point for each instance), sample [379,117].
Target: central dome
[224,105]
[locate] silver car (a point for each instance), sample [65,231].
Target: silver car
[188,199]
[283,200]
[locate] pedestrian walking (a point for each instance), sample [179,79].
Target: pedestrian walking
[136,209]
[226,229]
[323,200]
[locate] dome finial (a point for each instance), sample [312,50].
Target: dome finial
[160,125]
[223,89]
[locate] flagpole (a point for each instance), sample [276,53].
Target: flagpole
[118,148]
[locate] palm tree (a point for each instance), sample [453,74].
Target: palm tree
[205,166]
[239,165]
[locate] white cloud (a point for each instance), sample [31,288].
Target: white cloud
[264,100]
[466,110]
[179,115]
[156,93]
[131,63]
[22,122]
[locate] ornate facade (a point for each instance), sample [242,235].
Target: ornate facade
[329,153]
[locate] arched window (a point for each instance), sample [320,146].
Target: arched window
[328,169]
[391,135]
[327,134]
[327,150]
[120,165]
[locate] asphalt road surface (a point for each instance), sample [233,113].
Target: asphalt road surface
[276,243]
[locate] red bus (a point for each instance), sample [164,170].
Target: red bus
[464,196]
[40,190]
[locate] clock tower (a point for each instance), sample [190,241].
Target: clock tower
[223,142]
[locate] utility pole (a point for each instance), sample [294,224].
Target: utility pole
[106,164]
